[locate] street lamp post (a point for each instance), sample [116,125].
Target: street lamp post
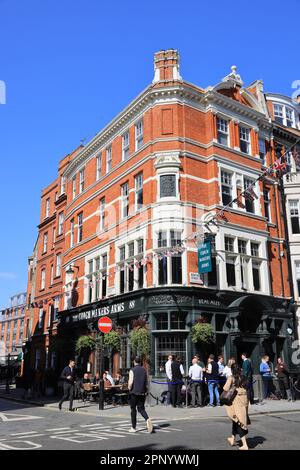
[99,341]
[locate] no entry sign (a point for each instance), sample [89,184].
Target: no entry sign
[105,324]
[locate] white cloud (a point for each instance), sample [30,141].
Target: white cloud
[8,276]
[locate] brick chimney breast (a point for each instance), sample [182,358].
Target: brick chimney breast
[166,66]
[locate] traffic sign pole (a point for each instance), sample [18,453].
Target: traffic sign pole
[104,326]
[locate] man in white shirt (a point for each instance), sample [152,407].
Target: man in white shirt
[196,375]
[168,370]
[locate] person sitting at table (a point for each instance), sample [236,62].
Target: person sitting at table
[96,379]
[119,380]
[84,387]
[109,377]
[109,390]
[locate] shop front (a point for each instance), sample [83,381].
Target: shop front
[241,323]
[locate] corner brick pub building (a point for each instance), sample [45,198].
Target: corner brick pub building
[142,186]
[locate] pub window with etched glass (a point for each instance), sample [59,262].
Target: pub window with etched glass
[175,343]
[169,263]
[223,131]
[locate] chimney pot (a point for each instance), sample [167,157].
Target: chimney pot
[166,66]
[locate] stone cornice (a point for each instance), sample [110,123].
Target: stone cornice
[46,221]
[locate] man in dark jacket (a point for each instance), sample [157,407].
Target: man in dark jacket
[68,377]
[177,382]
[138,386]
[248,373]
[283,375]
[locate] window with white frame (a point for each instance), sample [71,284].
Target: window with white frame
[51,275]
[255,249]
[41,318]
[102,213]
[60,223]
[58,265]
[139,131]
[104,265]
[297,271]
[242,246]
[45,243]
[98,166]
[122,269]
[80,228]
[229,244]
[223,131]
[108,159]
[256,275]
[168,186]
[289,115]
[226,187]
[125,146]
[72,233]
[74,187]
[169,263]
[262,150]
[81,180]
[47,211]
[62,185]
[53,236]
[249,201]
[294,214]
[124,200]
[278,113]
[43,278]
[138,191]
[244,139]
[267,204]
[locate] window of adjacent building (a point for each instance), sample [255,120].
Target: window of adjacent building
[124,200]
[80,228]
[278,113]
[267,204]
[262,150]
[254,249]
[297,269]
[256,275]
[47,211]
[125,146]
[226,187]
[74,187]
[102,213]
[60,223]
[72,232]
[138,191]
[139,131]
[108,159]
[168,186]
[45,243]
[229,244]
[294,213]
[62,185]
[242,246]
[223,131]
[43,279]
[249,202]
[81,180]
[58,265]
[98,166]
[244,139]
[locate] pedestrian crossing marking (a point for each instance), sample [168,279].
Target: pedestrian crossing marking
[17,417]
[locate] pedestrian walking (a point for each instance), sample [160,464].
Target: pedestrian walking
[168,370]
[237,411]
[222,378]
[227,369]
[177,382]
[283,375]
[138,387]
[247,370]
[265,372]
[68,377]
[212,371]
[196,376]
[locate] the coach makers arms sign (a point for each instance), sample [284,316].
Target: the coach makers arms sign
[110,310]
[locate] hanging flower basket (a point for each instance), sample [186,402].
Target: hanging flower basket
[85,344]
[202,332]
[112,340]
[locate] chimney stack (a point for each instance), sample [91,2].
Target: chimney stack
[166,66]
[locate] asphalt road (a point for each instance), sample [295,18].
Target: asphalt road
[24,427]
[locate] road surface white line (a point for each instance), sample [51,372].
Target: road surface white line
[57,429]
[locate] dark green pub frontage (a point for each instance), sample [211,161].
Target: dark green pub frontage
[250,323]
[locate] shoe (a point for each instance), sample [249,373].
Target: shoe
[149,425]
[219,404]
[230,441]
[132,430]
[210,406]
[71,409]
[59,407]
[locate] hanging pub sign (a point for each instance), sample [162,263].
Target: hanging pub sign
[204,257]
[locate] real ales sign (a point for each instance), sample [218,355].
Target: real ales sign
[204,258]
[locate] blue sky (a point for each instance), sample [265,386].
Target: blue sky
[70,65]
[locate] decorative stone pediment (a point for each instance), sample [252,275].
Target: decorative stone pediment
[233,77]
[167,160]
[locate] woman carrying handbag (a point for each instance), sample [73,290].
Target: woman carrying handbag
[235,398]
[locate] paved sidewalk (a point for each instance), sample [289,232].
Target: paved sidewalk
[156,411]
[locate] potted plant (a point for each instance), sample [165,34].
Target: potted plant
[202,332]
